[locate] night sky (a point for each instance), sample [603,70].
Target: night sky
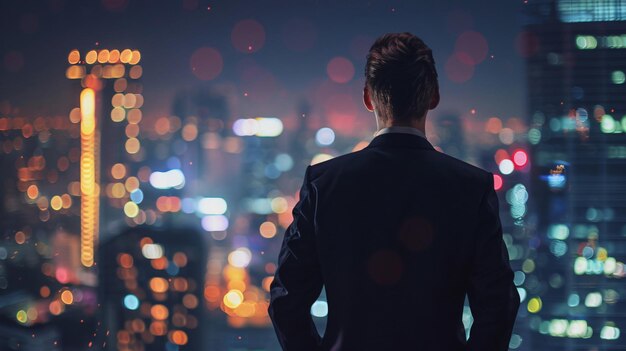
[293,43]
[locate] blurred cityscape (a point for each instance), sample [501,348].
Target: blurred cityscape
[131,224]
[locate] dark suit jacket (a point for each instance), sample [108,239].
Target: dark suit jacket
[398,234]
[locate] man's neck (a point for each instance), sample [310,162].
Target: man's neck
[419,124]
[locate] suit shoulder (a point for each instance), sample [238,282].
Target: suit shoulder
[470,171]
[333,163]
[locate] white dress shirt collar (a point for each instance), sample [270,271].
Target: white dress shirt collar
[400,129]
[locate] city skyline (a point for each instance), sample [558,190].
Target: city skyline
[158,148]
[295,47]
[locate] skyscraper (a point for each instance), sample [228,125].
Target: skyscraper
[151,289]
[573,276]
[102,113]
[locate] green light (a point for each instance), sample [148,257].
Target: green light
[593,299]
[609,332]
[613,42]
[610,266]
[558,231]
[586,42]
[21,316]
[558,327]
[618,77]
[580,265]
[608,124]
[534,135]
[573,300]
[534,305]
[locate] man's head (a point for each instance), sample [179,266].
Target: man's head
[400,79]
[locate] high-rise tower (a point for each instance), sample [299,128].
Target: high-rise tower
[109,115]
[576,59]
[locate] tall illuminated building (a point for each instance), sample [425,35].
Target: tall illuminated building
[110,112]
[151,289]
[574,273]
[201,139]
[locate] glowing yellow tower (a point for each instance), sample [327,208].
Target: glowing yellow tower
[123,69]
[88,178]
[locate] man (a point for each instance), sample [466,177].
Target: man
[397,233]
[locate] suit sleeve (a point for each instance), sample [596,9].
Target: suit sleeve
[298,281]
[493,297]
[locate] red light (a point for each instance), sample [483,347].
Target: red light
[500,155]
[497,182]
[62,275]
[520,158]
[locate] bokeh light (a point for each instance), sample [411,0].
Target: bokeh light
[67,297]
[212,205]
[73,57]
[257,82]
[341,110]
[240,257]
[267,230]
[471,48]
[206,63]
[159,312]
[248,36]
[618,77]
[325,136]
[340,70]
[159,285]
[458,70]
[497,182]
[520,158]
[233,298]
[215,223]
[506,166]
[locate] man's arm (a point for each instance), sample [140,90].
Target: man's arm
[492,295]
[298,280]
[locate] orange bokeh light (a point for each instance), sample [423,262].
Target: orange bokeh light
[159,312]
[179,337]
[180,259]
[493,125]
[32,191]
[212,293]
[159,263]
[159,285]
[125,260]
[67,297]
[267,229]
[158,328]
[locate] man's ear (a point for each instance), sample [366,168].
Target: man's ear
[367,99]
[434,100]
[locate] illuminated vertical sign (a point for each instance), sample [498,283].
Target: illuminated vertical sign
[122,68]
[88,178]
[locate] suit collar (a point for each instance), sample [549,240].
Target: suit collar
[400,140]
[400,129]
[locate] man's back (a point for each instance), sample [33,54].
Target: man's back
[397,233]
